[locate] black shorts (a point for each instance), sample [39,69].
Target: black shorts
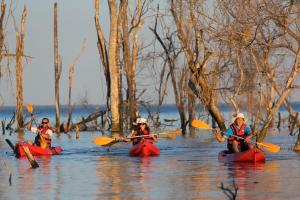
[242,147]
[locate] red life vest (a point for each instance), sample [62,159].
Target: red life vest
[142,133]
[238,132]
[43,132]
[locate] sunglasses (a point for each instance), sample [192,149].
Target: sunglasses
[44,122]
[143,124]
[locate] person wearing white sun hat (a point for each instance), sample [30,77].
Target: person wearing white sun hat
[237,128]
[142,130]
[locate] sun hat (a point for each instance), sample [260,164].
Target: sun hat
[237,115]
[142,121]
[138,120]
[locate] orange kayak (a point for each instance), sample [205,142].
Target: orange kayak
[144,148]
[35,150]
[252,155]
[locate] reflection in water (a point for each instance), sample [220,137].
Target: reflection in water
[247,176]
[109,171]
[30,181]
[184,170]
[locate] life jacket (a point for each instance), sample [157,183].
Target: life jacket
[238,132]
[43,132]
[142,133]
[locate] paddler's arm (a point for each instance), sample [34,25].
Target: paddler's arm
[219,136]
[29,125]
[155,137]
[249,136]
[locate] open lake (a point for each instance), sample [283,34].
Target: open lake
[188,168]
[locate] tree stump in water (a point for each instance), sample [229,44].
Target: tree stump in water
[77,133]
[297,144]
[30,158]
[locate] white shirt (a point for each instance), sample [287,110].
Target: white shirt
[35,130]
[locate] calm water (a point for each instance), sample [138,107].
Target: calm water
[187,168]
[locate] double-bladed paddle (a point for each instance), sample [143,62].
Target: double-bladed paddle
[107,141]
[273,148]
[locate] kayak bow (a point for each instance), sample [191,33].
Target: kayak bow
[144,148]
[35,150]
[252,155]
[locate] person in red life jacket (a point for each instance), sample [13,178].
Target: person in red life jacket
[237,128]
[43,130]
[142,130]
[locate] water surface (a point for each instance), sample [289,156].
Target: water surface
[187,168]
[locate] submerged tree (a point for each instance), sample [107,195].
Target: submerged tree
[191,35]
[20,36]
[3,9]
[57,70]
[109,56]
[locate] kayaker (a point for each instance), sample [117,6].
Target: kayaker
[43,130]
[237,128]
[142,130]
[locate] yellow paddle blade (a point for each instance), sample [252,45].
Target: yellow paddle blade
[29,107]
[103,141]
[273,148]
[167,137]
[200,124]
[43,142]
[177,131]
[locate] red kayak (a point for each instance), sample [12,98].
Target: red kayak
[35,150]
[252,155]
[144,148]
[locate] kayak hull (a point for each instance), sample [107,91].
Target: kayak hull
[144,149]
[35,150]
[252,155]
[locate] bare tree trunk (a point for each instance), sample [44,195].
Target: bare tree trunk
[191,107]
[104,56]
[114,70]
[71,75]
[292,76]
[178,86]
[57,70]
[3,8]
[130,59]
[19,69]
[197,67]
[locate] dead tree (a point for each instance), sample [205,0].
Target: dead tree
[20,36]
[178,76]
[109,61]
[103,54]
[130,52]
[57,70]
[3,9]
[194,45]
[71,76]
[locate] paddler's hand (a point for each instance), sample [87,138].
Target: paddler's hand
[216,132]
[248,139]
[218,135]
[154,138]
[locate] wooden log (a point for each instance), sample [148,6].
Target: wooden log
[3,127]
[279,120]
[30,158]
[8,170]
[12,146]
[293,124]
[82,125]
[77,133]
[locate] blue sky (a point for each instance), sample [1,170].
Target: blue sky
[76,24]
